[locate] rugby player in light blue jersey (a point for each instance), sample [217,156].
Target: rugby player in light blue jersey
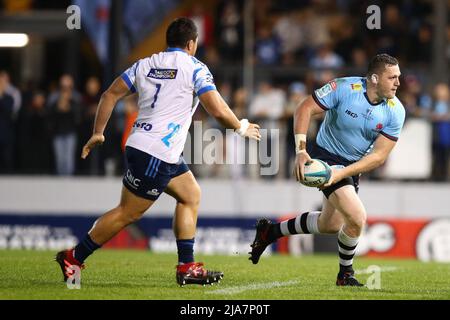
[362,124]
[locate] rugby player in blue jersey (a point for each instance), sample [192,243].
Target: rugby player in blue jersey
[362,124]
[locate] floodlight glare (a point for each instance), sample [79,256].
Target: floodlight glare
[16,40]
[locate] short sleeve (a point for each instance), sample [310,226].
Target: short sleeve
[327,97]
[203,80]
[393,129]
[129,76]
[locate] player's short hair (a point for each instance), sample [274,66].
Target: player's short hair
[180,31]
[379,62]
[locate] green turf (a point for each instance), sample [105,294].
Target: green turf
[128,274]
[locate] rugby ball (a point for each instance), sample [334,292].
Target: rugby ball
[317,173]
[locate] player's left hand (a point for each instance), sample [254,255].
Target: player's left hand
[95,140]
[336,176]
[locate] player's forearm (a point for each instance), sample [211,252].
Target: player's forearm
[366,164]
[302,117]
[227,118]
[219,109]
[104,110]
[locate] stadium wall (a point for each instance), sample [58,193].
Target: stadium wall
[410,220]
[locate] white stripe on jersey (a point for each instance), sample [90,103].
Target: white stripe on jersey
[169,84]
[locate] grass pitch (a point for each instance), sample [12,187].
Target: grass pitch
[128,274]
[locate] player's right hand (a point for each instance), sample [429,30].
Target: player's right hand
[299,168]
[253,132]
[95,140]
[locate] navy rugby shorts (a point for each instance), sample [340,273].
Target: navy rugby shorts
[147,176]
[317,152]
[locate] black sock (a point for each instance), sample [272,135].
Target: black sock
[185,250]
[275,232]
[85,248]
[346,269]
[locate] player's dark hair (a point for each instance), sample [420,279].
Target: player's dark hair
[379,62]
[180,31]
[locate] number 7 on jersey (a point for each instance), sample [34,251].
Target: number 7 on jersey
[155,97]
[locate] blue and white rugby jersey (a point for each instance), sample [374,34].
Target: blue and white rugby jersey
[169,84]
[352,122]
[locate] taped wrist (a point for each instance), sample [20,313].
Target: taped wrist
[243,128]
[300,142]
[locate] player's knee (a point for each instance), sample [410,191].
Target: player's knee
[194,196]
[362,219]
[357,222]
[129,216]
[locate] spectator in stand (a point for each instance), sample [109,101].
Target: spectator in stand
[34,137]
[131,111]
[267,105]
[347,41]
[315,29]
[441,119]
[267,46]
[65,84]
[64,120]
[13,92]
[290,33]
[267,108]
[297,93]
[359,59]
[88,107]
[230,31]
[421,45]
[205,25]
[417,103]
[6,128]
[235,148]
[392,33]
[448,43]
[324,60]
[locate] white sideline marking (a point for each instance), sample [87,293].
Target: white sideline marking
[277,284]
[257,286]
[382,269]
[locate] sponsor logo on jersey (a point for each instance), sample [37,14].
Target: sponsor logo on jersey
[391,103]
[356,86]
[326,89]
[143,125]
[351,114]
[162,73]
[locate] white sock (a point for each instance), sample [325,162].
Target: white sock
[347,248]
[305,223]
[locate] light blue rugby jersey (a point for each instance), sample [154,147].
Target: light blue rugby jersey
[352,123]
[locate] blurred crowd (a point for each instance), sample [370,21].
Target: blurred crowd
[42,131]
[317,33]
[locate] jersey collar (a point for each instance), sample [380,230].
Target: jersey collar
[172,49]
[364,83]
